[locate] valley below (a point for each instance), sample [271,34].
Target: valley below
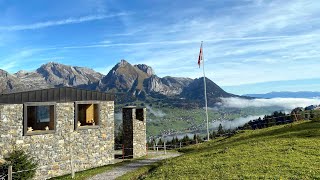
[168,122]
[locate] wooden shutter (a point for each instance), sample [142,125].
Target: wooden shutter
[90,114]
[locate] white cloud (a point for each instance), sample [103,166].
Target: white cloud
[46,24]
[246,41]
[13,61]
[232,124]
[157,113]
[285,103]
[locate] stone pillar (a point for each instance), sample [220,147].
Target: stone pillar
[134,131]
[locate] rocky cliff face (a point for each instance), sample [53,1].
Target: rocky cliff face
[9,83]
[32,80]
[135,80]
[47,76]
[123,77]
[63,75]
[140,78]
[195,91]
[145,68]
[168,86]
[5,81]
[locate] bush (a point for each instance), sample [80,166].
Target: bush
[20,161]
[3,171]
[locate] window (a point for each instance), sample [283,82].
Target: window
[86,115]
[139,114]
[39,118]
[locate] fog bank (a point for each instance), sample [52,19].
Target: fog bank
[285,103]
[232,124]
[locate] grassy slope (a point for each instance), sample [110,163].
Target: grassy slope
[280,152]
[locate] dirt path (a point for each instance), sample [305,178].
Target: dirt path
[119,171]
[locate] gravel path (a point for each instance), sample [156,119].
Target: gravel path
[119,171]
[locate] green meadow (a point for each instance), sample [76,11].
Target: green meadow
[289,151]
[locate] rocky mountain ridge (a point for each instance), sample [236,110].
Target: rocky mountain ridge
[138,81]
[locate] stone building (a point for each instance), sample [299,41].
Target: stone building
[134,131]
[57,126]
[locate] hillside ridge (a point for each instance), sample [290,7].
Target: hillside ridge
[137,81]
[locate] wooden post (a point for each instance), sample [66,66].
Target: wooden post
[196,139]
[10,173]
[157,147]
[165,150]
[180,145]
[147,149]
[122,151]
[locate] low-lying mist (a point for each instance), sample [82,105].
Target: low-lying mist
[285,103]
[157,113]
[232,124]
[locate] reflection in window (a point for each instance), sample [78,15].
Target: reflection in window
[39,118]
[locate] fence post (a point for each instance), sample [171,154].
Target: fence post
[10,173]
[154,146]
[180,145]
[157,147]
[147,149]
[165,149]
[122,151]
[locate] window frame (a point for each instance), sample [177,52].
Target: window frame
[97,125]
[25,118]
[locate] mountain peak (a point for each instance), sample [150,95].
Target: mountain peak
[195,91]
[124,77]
[145,68]
[60,74]
[52,64]
[3,73]
[123,62]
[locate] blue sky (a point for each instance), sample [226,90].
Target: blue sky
[250,46]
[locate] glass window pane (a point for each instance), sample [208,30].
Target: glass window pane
[43,114]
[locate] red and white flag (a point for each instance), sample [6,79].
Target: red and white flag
[200,56]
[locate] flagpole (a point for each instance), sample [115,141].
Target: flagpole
[205,94]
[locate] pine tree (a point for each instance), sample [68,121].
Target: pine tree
[220,130]
[213,135]
[20,161]
[160,142]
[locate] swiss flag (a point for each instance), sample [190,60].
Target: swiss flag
[200,55]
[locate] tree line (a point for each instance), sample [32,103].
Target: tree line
[278,118]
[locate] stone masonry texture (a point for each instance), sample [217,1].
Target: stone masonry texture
[89,148]
[134,132]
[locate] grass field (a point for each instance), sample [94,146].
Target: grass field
[280,152]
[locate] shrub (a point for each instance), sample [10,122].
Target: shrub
[20,161]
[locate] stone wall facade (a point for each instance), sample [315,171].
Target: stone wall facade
[134,129]
[88,147]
